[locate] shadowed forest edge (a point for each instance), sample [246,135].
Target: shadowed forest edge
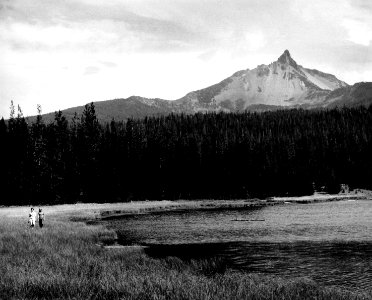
[201,156]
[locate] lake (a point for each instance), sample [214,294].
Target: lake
[329,242]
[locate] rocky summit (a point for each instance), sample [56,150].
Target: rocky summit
[281,84]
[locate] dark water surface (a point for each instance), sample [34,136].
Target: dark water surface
[329,242]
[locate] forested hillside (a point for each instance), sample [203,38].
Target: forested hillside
[214,155]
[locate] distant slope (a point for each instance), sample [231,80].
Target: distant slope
[121,109]
[360,94]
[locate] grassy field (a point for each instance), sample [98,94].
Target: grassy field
[62,261]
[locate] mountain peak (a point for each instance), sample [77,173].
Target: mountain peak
[285,55]
[286,58]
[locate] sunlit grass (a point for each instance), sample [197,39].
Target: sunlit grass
[62,260]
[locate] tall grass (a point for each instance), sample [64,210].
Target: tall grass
[62,261]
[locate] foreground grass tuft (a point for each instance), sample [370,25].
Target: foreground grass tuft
[63,261]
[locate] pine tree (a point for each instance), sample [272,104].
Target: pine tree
[40,169]
[89,133]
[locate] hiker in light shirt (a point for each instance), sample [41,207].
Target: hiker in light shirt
[32,216]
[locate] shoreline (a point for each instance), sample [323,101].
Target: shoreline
[85,212]
[324,198]
[242,204]
[188,205]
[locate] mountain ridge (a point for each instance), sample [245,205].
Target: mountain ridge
[281,84]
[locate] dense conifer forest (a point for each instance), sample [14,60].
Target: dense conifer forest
[201,156]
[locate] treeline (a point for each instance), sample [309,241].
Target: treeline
[215,155]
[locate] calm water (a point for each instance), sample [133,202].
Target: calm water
[328,242]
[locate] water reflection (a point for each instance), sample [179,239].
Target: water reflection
[338,264]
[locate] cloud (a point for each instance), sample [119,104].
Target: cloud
[358,32]
[109,64]
[91,70]
[75,22]
[364,5]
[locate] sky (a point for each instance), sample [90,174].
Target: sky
[66,53]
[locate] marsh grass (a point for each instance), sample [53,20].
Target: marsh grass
[62,261]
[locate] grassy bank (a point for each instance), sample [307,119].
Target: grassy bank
[62,260]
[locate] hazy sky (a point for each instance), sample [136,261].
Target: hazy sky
[64,53]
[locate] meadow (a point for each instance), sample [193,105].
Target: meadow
[64,260]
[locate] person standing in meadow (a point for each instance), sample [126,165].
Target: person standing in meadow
[32,217]
[41,218]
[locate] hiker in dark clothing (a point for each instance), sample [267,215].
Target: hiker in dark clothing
[41,217]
